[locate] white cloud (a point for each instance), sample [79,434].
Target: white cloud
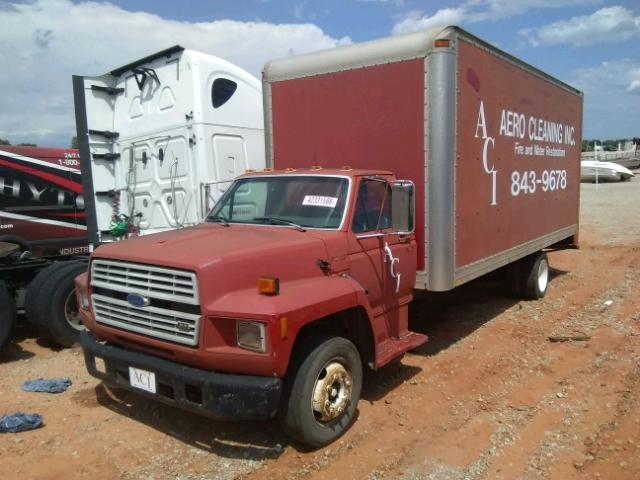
[472,11]
[47,41]
[610,89]
[497,9]
[611,24]
[415,21]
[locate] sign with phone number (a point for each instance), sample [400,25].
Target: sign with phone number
[527,182]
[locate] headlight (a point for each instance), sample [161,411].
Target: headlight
[251,335]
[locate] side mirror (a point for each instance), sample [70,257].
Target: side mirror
[402,206]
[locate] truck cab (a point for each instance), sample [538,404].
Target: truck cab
[221,318]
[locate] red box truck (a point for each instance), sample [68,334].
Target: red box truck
[418,161]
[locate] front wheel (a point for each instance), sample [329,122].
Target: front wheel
[322,393]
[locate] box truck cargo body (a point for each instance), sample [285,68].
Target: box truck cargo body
[492,144]
[422,160]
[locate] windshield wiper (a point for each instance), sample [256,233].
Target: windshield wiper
[218,219]
[275,220]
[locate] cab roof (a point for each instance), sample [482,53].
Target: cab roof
[319,171]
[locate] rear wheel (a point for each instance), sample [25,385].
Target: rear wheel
[7,314]
[322,393]
[51,302]
[534,276]
[34,307]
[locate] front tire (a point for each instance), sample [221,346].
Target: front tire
[322,393]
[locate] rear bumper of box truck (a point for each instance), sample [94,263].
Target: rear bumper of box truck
[216,395]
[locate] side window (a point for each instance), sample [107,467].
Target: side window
[221,91]
[373,207]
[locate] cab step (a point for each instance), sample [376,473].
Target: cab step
[393,347]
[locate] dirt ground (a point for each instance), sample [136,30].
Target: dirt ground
[489,397]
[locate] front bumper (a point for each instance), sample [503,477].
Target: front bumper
[216,395]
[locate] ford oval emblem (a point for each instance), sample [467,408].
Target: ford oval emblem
[137,300]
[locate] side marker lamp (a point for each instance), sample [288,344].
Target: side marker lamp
[269,285]
[283,328]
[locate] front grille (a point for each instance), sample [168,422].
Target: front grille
[170,313]
[169,325]
[154,282]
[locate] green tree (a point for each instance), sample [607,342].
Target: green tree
[27,145]
[586,145]
[4,142]
[74,141]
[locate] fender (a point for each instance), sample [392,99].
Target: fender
[300,302]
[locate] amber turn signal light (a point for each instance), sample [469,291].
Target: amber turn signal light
[441,42]
[268,285]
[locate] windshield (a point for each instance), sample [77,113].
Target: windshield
[305,201]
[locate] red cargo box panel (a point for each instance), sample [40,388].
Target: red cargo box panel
[369,118]
[518,146]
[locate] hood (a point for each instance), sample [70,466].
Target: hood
[197,247]
[226,258]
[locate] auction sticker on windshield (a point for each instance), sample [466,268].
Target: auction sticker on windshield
[320,201]
[142,379]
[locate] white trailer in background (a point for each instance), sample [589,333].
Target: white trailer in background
[160,139]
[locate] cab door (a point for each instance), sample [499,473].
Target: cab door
[382,261]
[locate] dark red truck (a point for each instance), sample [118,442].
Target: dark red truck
[42,233]
[41,202]
[413,162]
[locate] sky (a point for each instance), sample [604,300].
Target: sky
[593,45]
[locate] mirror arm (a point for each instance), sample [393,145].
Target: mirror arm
[403,236]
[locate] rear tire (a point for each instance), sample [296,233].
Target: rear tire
[322,391]
[34,305]
[7,314]
[51,302]
[534,276]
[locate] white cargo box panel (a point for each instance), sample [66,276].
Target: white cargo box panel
[161,138]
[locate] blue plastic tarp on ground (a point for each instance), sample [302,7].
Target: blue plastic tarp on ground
[50,385]
[19,422]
